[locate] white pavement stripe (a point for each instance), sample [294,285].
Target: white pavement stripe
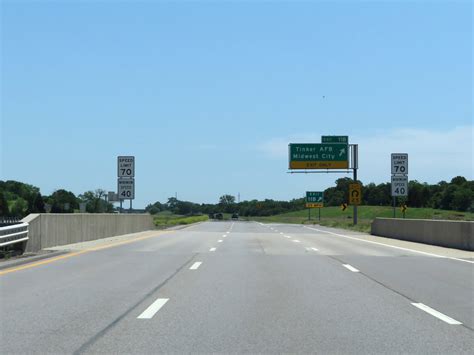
[390,246]
[349,267]
[212,249]
[195,265]
[436,314]
[281,233]
[296,241]
[154,307]
[287,236]
[224,236]
[219,241]
[314,249]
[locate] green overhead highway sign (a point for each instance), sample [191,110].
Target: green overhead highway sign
[318,156]
[335,139]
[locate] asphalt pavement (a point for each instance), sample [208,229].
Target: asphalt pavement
[241,287]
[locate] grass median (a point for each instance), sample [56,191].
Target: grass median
[165,221]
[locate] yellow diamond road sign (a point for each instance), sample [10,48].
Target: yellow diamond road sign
[355,194]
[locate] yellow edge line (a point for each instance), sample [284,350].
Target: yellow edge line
[70,255]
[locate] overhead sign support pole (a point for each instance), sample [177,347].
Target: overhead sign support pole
[355,166]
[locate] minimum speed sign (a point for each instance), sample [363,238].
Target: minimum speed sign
[399,186]
[126,189]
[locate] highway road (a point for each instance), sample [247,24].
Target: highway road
[240,287]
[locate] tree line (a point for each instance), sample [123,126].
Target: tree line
[457,195]
[18,199]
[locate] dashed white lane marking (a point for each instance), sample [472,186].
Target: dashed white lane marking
[195,265]
[349,267]
[436,314]
[212,249]
[311,249]
[315,249]
[224,236]
[281,233]
[390,246]
[287,236]
[219,241]
[296,241]
[154,307]
[226,232]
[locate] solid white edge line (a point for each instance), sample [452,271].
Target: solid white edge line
[212,249]
[390,246]
[153,308]
[350,267]
[436,314]
[195,265]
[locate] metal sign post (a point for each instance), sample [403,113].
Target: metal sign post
[355,163]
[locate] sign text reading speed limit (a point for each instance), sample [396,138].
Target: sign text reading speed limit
[126,189]
[126,166]
[399,164]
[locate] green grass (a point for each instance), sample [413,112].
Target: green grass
[164,220]
[334,217]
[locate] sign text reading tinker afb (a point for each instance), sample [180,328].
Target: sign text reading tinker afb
[318,156]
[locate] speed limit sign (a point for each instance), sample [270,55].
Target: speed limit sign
[126,189]
[126,166]
[399,164]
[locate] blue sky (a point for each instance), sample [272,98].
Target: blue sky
[207,95]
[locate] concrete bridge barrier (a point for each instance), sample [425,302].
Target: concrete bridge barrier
[54,229]
[450,234]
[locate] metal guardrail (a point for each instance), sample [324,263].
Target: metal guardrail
[14,233]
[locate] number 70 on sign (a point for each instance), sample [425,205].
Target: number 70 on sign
[399,164]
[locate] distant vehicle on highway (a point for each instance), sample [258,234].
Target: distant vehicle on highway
[235,216]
